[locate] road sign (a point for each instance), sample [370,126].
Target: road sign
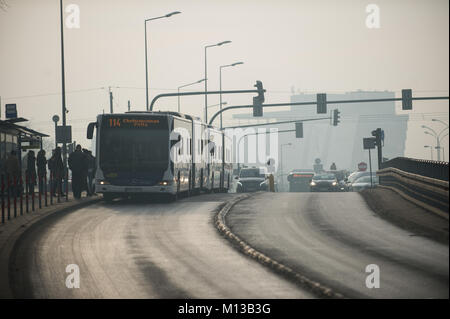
[369,143]
[362,166]
[10,111]
[64,134]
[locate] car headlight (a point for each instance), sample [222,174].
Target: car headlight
[334,183]
[104,183]
[312,184]
[165,183]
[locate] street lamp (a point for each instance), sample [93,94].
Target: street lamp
[146,62]
[431,150]
[199,81]
[281,162]
[437,120]
[220,75]
[206,77]
[437,136]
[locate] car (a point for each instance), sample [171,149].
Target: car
[364,183]
[251,180]
[324,182]
[299,180]
[353,177]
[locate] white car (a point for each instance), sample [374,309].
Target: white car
[363,183]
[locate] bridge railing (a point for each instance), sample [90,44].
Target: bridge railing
[422,182]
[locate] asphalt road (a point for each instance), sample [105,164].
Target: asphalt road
[332,237]
[140,250]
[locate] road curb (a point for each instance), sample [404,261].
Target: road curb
[245,248]
[14,229]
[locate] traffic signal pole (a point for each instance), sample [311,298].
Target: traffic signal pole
[327,102]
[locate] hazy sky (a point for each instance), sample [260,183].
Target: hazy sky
[308,46]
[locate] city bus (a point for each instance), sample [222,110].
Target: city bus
[169,153]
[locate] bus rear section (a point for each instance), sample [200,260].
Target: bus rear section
[299,180]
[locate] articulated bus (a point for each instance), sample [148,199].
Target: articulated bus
[159,153]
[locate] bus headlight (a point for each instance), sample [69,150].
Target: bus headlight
[104,183]
[334,183]
[165,183]
[312,184]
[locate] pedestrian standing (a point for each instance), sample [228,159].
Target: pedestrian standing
[91,171]
[58,171]
[31,171]
[79,167]
[12,172]
[41,163]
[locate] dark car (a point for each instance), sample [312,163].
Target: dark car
[251,180]
[324,183]
[299,180]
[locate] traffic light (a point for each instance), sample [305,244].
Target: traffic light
[407,99]
[299,129]
[258,100]
[321,103]
[379,136]
[336,117]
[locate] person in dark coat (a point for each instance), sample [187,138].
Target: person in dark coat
[31,172]
[56,166]
[41,163]
[91,171]
[12,168]
[78,164]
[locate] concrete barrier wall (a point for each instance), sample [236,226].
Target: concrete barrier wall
[427,192]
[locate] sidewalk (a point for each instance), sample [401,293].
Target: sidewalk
[12,229]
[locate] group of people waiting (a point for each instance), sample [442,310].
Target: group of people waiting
[81,163]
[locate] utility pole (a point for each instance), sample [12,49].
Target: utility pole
[129,106]
[110,101]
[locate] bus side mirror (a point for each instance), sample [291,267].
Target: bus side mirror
[90,130]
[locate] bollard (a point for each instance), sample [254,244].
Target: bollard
[33,180]
[52,190]
[3,199]
[21,195]
[9,198]
[67,185]
[45,189]
[59,186]
[15,196]
[26,193]
[40,191]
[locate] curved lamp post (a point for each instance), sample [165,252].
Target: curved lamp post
[199,81]
[206,76]
[220,75]
[146,62]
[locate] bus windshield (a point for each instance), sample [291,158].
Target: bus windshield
[131,149]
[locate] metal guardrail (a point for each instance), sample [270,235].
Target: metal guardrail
[19,196]
[422,182]
[432,169]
